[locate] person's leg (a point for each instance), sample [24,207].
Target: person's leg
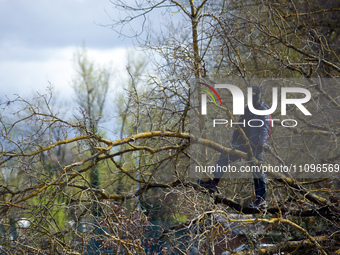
[224,160]
[260,183]
[260,186]
[260,192]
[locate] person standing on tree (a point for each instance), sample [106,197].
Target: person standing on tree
[257,135]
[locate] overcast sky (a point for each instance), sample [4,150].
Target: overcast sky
[39,37]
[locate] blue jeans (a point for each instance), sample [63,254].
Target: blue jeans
[260,183]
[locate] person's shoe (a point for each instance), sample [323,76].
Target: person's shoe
[210,185]
[259,204]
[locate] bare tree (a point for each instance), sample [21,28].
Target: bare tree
[91,87]
[262,39]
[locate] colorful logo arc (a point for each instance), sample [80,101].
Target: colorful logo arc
[209,93]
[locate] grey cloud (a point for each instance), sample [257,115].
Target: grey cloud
[62,23]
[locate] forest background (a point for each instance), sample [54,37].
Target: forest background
[71,185]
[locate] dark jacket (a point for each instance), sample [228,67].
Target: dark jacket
[257,132]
